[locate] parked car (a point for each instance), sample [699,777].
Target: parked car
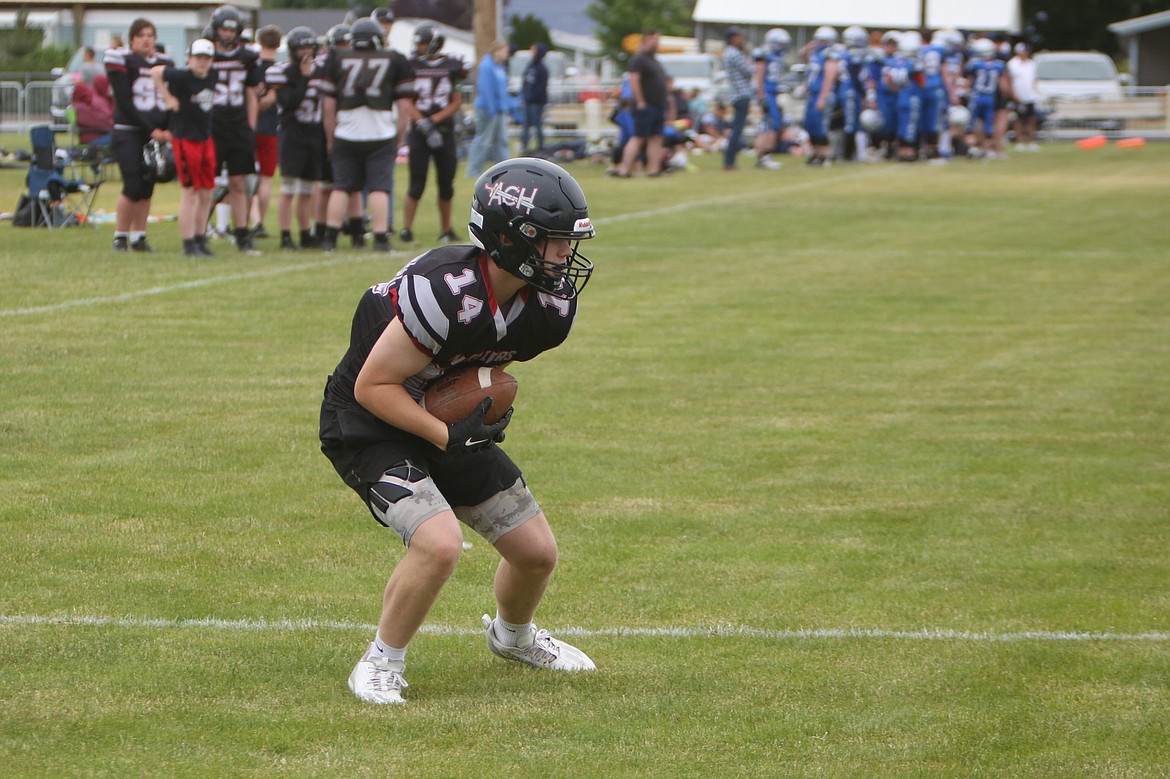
[64,79]
[703,72]
[1076,75]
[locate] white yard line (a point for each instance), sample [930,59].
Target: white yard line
[699,631]
[367,256]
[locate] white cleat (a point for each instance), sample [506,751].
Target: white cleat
[543,651]
[377,680]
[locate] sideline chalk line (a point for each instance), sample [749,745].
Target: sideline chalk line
[367,257]
[699,631]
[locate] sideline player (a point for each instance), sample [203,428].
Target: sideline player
[140,116]
[267,130]
[770,70]
[437,78]
[233,120]
[362,88]
[824,65]
[294,86]
[510,298]
[189,92]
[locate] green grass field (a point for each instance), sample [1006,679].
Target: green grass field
[861,471]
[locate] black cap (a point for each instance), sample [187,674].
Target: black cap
[731,33]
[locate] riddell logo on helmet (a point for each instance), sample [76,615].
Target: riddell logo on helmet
[582,225]
[518,197]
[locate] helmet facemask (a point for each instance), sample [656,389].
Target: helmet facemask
[517,250]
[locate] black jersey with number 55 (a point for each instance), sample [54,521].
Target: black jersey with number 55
[373,78]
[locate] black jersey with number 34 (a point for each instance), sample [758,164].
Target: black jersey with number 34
[373,78]
[435,80]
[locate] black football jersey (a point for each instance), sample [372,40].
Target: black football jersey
[138,105]
[445,303]
[435,80]
[373,78]
[298,96]
[237,70]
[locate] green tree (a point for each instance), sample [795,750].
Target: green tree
[1080,24]
[618,18]
[527,30]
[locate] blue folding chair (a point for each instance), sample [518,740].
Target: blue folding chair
[60,194]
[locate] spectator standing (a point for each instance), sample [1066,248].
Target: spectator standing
[535,92]
[491,110]
[189,93]
[95,111]
[648,93]
[1022,72]
[740,78]
[140,116]
[90,67]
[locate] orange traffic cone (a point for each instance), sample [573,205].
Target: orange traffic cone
[1092,142]
[1131,143]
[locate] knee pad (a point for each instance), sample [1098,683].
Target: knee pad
[289,186]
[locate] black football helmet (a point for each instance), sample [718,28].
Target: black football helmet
[226,17]
[338,35]
[367,34]
[520,202]
[299,37]
[158,163]
[429,36]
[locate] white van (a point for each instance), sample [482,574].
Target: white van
[703,72]
[1076,75]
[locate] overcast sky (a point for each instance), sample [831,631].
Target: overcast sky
[566,15]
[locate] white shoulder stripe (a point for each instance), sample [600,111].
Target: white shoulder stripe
[421,315]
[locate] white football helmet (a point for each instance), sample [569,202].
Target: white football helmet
[871,120]
[958,116]
[778,40]
[825,34]
[891,36]
[909,43]
[855,37]
[983,48]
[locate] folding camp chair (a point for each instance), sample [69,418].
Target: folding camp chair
[61,190]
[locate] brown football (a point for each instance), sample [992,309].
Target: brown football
[456,394]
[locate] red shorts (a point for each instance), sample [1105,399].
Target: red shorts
[267,153]
[195,161]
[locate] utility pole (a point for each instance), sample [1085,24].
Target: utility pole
[485,26]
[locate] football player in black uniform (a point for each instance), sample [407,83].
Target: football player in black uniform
[362,87]
[294,85]
[140,115]
[234,117]
[437,100]
[508,299]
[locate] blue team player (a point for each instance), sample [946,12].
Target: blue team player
[824,64]
[986,74]
[850,85]
[904,74]
[935,93]
[887,94]
[770,69]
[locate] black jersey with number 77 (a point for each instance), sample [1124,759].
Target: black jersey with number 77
[373,78]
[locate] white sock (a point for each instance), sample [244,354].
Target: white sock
[390,653]
[512,635]
[137,235]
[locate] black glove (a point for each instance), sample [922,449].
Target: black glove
[470,435]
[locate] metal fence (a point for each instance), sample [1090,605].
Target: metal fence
[25,105]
